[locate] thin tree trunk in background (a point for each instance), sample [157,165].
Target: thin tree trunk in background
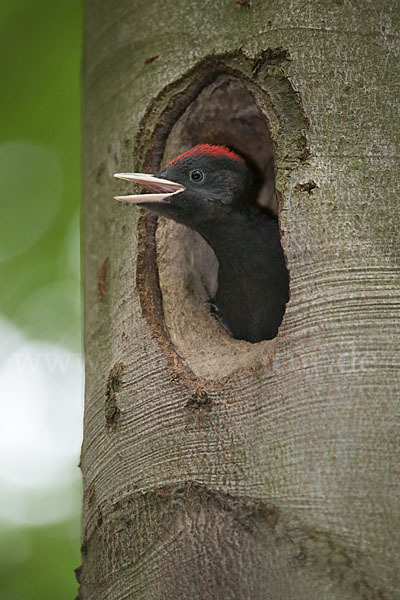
[280,482]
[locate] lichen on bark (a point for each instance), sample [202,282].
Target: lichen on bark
[312,436]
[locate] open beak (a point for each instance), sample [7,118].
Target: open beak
[164,188]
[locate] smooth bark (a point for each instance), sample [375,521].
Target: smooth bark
[279,481]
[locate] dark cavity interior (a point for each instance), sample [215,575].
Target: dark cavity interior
[223,113]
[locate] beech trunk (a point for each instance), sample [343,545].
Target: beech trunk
[214,468]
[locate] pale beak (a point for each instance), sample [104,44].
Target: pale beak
[164,188]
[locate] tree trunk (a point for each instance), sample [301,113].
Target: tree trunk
[214,468]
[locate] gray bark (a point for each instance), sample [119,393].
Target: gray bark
[214,468]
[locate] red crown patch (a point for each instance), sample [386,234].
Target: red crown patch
[208,150]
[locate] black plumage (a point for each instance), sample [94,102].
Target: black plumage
[211,196]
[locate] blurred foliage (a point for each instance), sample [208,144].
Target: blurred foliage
[40,42]
[37,562]
[40,45]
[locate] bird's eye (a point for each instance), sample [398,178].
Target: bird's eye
[196,175]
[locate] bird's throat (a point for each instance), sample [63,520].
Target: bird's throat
[253,282]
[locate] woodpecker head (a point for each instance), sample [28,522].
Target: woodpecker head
[206,182]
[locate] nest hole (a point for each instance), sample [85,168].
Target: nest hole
[224,112]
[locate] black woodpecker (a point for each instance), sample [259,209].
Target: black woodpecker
[207,189]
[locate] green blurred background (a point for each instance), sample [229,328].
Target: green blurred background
[40,322]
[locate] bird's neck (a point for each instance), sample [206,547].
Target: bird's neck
[253,283]
[238,236]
